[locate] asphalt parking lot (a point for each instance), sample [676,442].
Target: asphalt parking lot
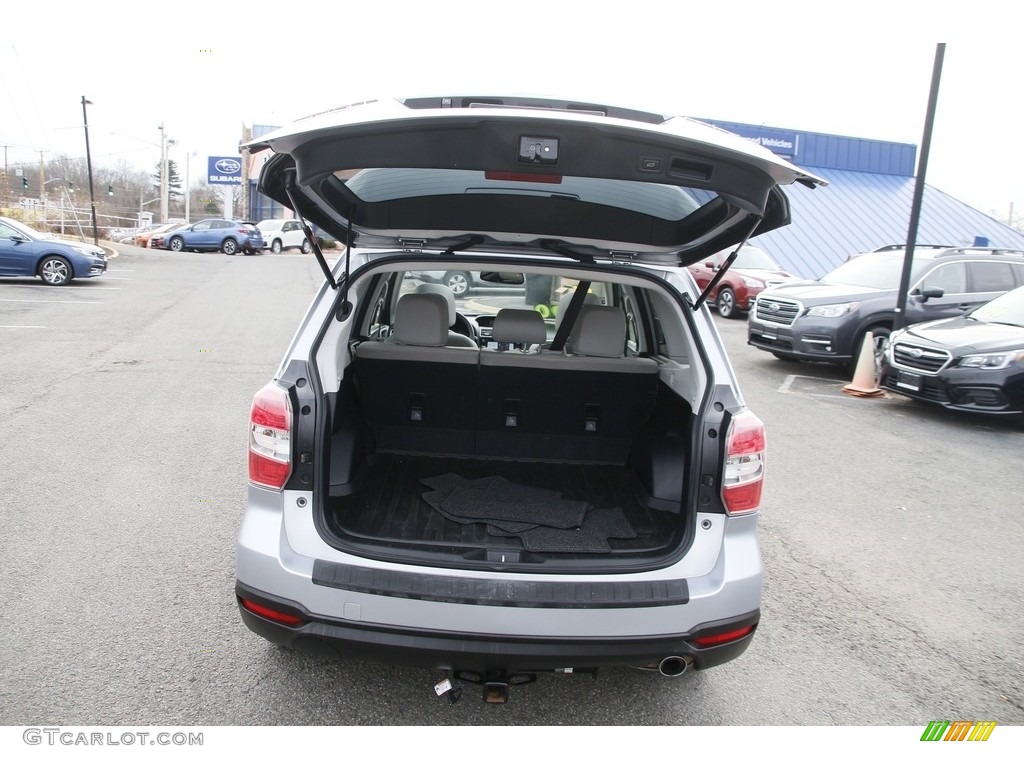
[890,533]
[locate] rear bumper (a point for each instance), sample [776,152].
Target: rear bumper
[481,653]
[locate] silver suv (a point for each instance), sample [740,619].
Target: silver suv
[555,473]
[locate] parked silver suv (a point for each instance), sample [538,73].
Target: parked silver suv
[555,473]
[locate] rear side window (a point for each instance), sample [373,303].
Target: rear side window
[991,276]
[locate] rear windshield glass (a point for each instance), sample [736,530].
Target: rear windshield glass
[665,201]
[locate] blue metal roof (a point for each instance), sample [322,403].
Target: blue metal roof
[866,205]
[859,212]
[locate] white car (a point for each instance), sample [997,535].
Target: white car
[280,234]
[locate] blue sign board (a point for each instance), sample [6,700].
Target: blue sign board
[785,143]
[224,170]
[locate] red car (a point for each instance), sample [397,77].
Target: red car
[752,272]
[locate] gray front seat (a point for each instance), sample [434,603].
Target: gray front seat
[454,339]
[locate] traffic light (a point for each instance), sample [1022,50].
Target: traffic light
[110,189]
[24,182]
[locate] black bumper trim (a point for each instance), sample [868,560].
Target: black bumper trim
[411,647]
[497,591]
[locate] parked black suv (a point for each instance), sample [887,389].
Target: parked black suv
[827,319]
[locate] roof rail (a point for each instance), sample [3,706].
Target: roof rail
[901,246]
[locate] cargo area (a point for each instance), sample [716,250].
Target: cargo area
[477,498]
[518,442]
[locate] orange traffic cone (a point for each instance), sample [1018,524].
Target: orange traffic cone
[865,382]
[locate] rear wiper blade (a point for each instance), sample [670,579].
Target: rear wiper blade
[563,250]
[469,242]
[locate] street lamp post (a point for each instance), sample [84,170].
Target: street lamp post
[88,162]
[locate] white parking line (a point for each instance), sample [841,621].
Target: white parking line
[22,326]
[49,301]
[787,386]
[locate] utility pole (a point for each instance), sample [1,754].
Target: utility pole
[246,137]
[164,182]
[6,180]
[163,175]
[88,163]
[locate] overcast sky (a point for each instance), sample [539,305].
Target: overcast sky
[205,70]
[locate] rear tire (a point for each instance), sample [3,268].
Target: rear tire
[229,247]
[306,246]
[275,247]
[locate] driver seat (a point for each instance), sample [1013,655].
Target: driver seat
[454,339]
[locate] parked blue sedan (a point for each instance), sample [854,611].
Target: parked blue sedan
[24,251]
[226,235]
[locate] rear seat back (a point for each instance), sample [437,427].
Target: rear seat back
[586,405]
[418,393]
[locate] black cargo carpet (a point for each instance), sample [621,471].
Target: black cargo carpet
[541,518]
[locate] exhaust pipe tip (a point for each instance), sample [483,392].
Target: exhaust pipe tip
[674,666]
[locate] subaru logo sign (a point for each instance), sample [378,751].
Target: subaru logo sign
[224,170]
[915,352]
[228,165]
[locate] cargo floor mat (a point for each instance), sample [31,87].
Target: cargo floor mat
[399,501]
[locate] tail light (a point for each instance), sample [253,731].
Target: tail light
[270,438]
[744,464]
